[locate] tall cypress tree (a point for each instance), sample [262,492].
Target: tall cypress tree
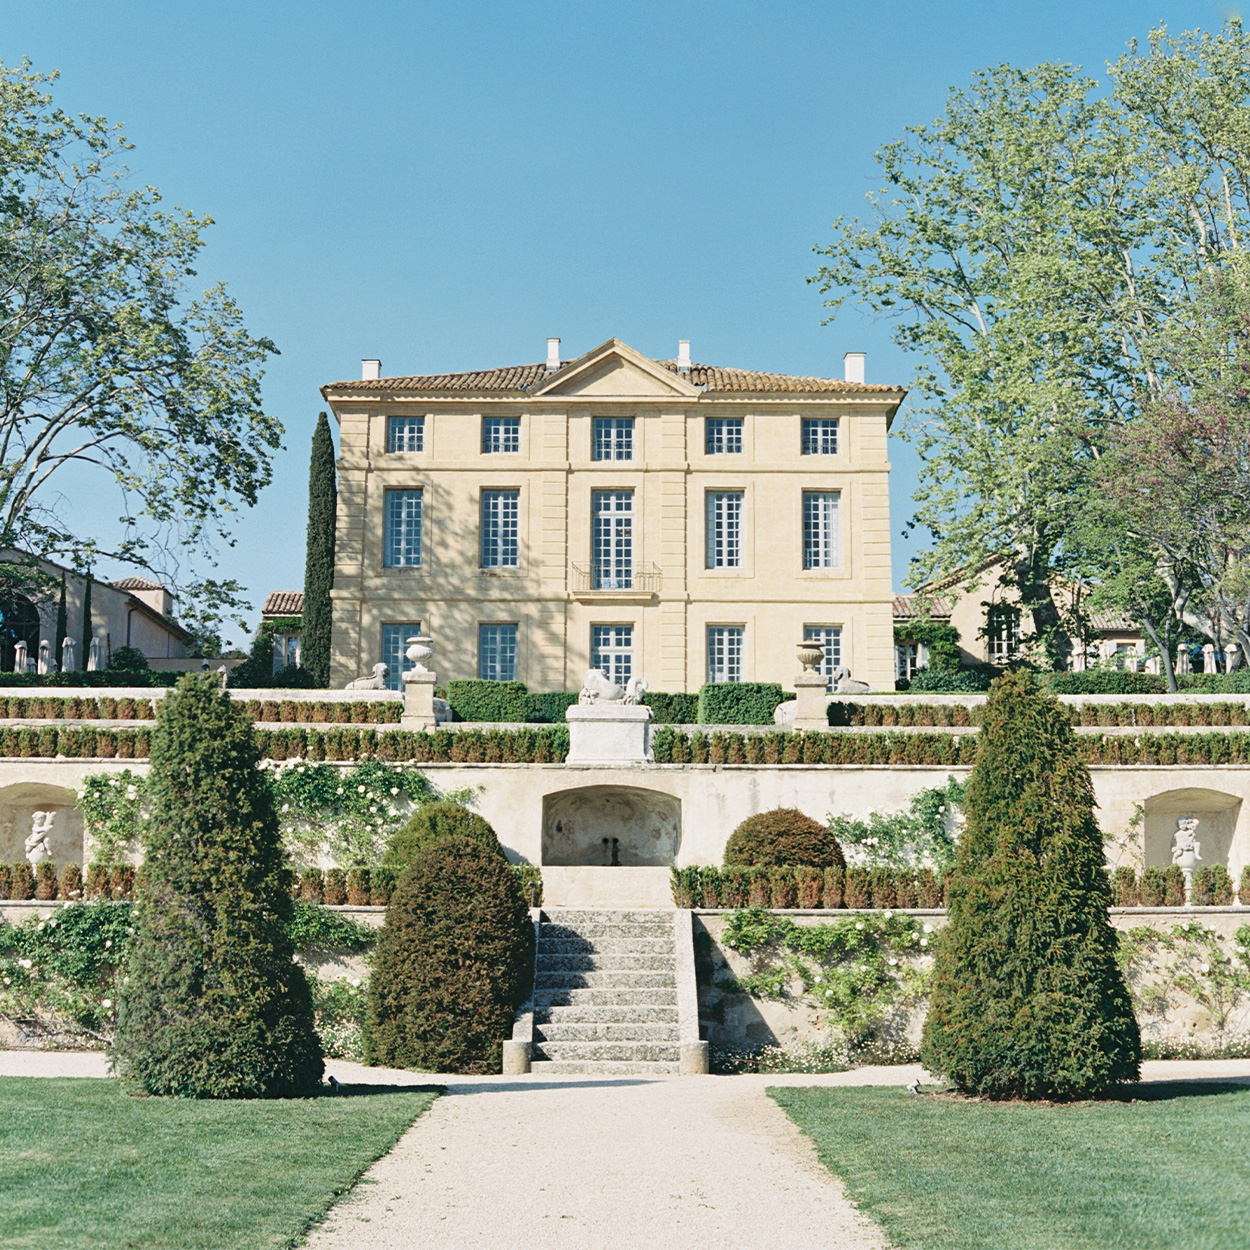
[62,626]
[319,562]
[215,1005]
[86,619]
[1027,999]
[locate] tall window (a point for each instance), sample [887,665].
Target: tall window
[405,434]
[829,637]
[821,545]
[724,529]
[501,510]
[612,651]
[402,529]
[820,436]
[501,434]
[286,650]
[722,436]
[496,652]
[612,539]
[1002,632]
[394,644]
[612,438]
[724,652]
[906,660]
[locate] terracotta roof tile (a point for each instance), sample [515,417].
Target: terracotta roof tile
[518,379]
[283,603]
[136,583]
[906,607]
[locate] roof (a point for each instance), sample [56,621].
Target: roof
[283,603]
[715,379]
[1112,623]
[908,607]
[137,583]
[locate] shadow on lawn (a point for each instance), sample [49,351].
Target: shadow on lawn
[366,1091]
[1162,1091]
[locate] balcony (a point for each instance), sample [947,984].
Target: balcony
[616,581]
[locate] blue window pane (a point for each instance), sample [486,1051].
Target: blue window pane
[405,434]
[722,436]
[501,511]
[496,652]
[612,438]
[394,644]
[402,536]
[501,434]
[820,436]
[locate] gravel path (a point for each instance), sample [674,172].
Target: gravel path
[579,1162]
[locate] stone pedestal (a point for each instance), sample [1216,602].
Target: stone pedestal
[516,1058]
[609,733]
[418,701]
[811,706]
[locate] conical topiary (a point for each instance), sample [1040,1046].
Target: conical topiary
[319,557]
[1027,1000]
[215,1006]
[453,962]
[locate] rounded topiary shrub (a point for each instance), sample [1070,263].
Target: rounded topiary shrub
[783,836]
[1027,1000]
[454,960]
[443,819]
[214,1005]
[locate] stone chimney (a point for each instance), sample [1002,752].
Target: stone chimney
[370,370]
[853,366]
[553,355]
[683,355]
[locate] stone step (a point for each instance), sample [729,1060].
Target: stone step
[558,978]
[615,946]
[633,1031]
[598,1052]
[595,962]
[606,932]
[634,1014]
[639,997]
[582,916]
[603,1067]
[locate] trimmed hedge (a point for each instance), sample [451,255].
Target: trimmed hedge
[739,702]
[291,711]
[950,680]
[432,821]
[1126,715]
[453,962]
[1102,681]
[783,836]
[812,889]
[672,709]
[101,677]
[548,708]
[488,700]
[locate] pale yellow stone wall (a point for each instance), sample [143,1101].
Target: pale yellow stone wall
[771,595]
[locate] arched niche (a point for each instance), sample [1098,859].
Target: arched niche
[18,804]
[1217,815]
[604,826]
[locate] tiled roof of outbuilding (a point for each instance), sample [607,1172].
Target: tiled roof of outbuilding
[283,603]
[518,379]
[136,583]
[906,607]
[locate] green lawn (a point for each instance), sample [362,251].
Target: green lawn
[84,1165]
[1172,1173]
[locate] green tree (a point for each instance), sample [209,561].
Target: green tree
[454,961]
[62,626]
[215,1005]
[1042,245]
[108,362]
[432,821]
[1027,998]
[319,562]
[88,629]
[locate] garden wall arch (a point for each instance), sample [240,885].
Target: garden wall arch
[20,801]
[1218,816]
[610,826]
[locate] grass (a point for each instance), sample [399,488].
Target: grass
[1171,1173]
[84,1165]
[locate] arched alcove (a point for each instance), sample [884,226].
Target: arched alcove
[18,804]
[602,826]
[19,622]
[1217,815]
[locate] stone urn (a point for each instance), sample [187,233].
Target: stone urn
[810,655]
[419,650]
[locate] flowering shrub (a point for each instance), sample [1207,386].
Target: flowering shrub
[924,834]
[859,971]
[112,806]
[339,1016]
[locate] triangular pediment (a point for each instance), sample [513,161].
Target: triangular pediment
[613,370]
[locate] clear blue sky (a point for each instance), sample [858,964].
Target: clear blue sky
[445,185]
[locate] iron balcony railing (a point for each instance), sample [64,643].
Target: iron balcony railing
[641,578]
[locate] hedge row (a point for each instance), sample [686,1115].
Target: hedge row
[321,711]
[20,881]
[1165,887]
[103,677]
[807,888]
[1130,715]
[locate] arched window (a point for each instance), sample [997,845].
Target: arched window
[19,622]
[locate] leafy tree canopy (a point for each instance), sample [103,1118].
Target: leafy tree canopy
[110,364]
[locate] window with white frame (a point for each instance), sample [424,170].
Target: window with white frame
[724,652]
[401,545]
[394,644]
[829,637]
[820,436]
[1002,632]
[821,540]
[405,434]
[501,512]
[722,436]
[501,434]
[612,539]
[612,651]
[612,438]
[724,529]
[906,660]
[496,652]
[286,651]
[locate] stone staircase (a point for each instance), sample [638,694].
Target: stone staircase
[605,993]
